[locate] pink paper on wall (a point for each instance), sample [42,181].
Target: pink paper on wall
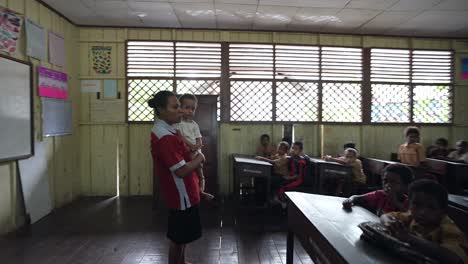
[52,84]
[56,49]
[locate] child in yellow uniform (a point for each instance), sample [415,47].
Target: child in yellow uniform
[426,226]
[412,152]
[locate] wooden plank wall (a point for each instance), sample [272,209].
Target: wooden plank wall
[63,152]
[135,163]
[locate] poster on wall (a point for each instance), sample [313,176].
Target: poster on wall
[10,29]
[464,71]
[36,41]
[56,49]
[52,84]
[102,59]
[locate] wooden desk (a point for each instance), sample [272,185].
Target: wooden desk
[247,171]
[325,170]
[453,175]
[373,168]
[458,211]
[330,234]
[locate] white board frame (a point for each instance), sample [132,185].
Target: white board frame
[29,91]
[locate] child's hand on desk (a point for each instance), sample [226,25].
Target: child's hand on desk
[327,157]
[347,204]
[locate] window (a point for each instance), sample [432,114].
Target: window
[295,83]
[411,86]
[181,67]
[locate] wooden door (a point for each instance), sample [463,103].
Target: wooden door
[205,116]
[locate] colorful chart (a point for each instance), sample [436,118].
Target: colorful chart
[102,59]
[52,84]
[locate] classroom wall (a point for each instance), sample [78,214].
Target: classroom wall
[63,158]
[125,148]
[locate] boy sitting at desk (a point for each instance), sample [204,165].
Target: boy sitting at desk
[392,197]
[461,152]
[280,164]
[426,226]
[297,170]
[350,158]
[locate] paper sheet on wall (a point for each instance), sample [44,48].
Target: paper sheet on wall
[36,41]
[108,110]
[10,29]
[110,89]
[56,49]
[90,86]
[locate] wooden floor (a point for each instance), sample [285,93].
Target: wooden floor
[127,231]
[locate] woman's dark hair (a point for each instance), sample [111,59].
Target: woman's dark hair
[405,173]
[187,97]
[412,130]
[159,100]
[264,136]
[432,188]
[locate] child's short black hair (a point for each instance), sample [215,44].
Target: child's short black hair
[432,188]
[405,173]
[264,136]
[283,144]
[299,144]
[184,97]
[442,142]
[160,100]
[411,130]
[349,145]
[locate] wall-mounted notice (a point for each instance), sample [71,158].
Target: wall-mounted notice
[36,42]
[52,84]
[56,117]
[56,49]
[464,71]
[10,29]
[110,89]
[90,86]
[102,60]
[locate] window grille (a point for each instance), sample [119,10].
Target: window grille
[251,101]
[432,104]
[296,101]
[390,103]
[139,92]
[342,102]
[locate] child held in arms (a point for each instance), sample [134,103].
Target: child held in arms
[190,132]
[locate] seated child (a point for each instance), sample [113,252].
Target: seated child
[350,158]
[461,152]
[265,149]
[297,165]
[412,152]
[191,134]
[439,150]
[392,197]
[279,161]
[426,226]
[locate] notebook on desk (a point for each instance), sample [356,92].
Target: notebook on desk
[379,235]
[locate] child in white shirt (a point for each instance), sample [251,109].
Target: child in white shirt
[190,131]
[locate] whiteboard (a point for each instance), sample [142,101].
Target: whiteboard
[16,129]
[56,117]
[35,182]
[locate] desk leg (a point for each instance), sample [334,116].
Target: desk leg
[290,247]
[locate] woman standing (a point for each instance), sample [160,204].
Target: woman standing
[176,169]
